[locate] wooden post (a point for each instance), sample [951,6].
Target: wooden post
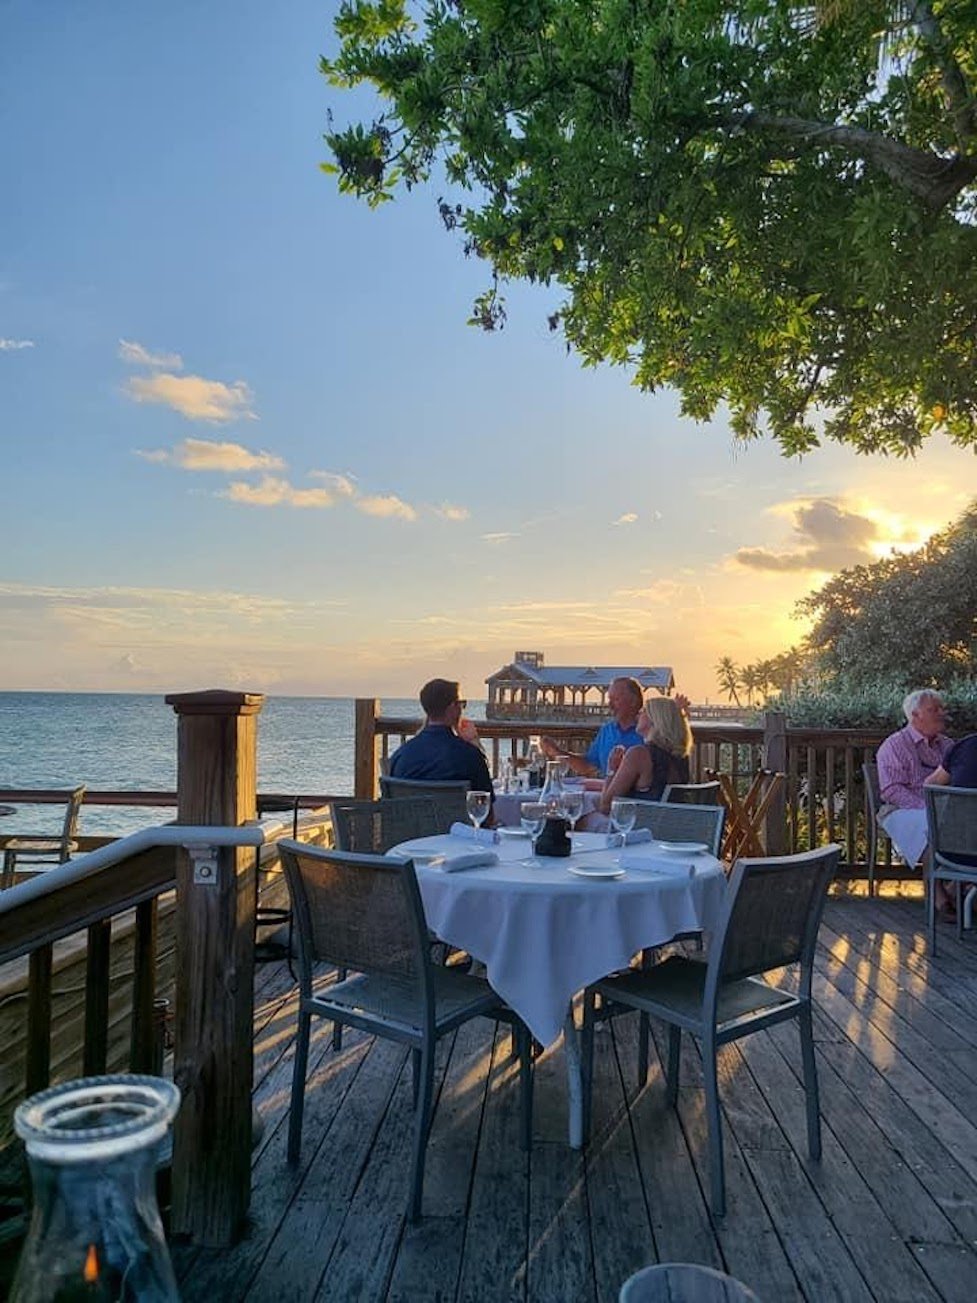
[216,777]
[365,749]
[775,758]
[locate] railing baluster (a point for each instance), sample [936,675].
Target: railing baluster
[39,1018]
[97,967]
[829,790]
[142,1047]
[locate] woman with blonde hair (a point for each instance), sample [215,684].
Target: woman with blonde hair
[645,771]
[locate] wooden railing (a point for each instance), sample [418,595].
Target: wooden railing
[822,799]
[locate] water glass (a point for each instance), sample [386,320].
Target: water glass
[624,812]
[572,804]
[532,816]
[478,805]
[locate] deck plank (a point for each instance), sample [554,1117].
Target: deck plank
[889,1213]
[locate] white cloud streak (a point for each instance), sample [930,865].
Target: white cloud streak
[15,345]
[194,397]
[136,355]
[211,455]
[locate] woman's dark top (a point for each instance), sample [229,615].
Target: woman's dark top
[665,769]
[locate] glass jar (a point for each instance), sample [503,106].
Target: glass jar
[95,1231]
[552,794]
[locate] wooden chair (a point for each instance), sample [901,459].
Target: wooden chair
[363,913]
[744,827]
[36,854]
[770,920]
[693,793]
[449,797]
[951,818]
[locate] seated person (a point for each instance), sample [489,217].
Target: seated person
[625,698]
[906,759]
[662,758]
[447,747]
[959,767]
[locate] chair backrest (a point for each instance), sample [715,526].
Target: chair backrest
[358,912]
[69,828]
[683,823]
[372,827]
[692,794]
[772,915]
[449,797]
[951,816]
[873,797]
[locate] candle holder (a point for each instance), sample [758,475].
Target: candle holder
[95,1232]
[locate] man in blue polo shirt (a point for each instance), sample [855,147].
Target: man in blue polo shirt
[446,748]
[625,698]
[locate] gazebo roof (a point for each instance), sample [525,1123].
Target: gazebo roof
[583,676]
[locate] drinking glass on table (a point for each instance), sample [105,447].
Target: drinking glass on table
[572,805]
[624,812]
[478,805]
[532,816]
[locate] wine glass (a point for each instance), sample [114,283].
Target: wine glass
[624,812]
[572,803]
[478,805]
[532,816]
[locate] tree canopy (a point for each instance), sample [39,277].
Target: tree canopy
[760,203]
[909,620]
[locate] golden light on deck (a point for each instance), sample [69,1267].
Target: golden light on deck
[90,1271]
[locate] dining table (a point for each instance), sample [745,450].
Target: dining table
[507,804]
[545,928]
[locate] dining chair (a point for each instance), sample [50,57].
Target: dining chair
[770,921]
[951,819]
[373,827]
[449,797]
[669,822]
[745,826]
[363,913]
[693,794]
[684,1282]
[29,853]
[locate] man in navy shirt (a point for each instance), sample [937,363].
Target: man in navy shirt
[625,698]
[446,748]
[959,768]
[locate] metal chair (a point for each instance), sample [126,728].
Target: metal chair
[683,1282]
[36,854]
[373,827]
[770,920]
[364,913]
[693,793]
[270,950]
[449,797]
[683,823]
[951,818]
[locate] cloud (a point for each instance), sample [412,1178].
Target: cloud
[272,492]
[449,512]
[14,345]
[628,518]
[501,537]
[136,355]
[385,505]
[211,455]
[342,486]
[193,397]
[828,537]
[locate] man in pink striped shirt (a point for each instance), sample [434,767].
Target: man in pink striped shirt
[906,760]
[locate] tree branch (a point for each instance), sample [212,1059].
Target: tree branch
[959,100]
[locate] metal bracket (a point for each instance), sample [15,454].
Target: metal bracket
[204,861]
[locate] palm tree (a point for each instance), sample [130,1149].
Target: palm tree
[728,677]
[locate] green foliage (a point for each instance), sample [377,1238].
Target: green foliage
[873,706]
[739,200]
[909,620]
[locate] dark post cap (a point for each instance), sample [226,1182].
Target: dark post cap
[216,701]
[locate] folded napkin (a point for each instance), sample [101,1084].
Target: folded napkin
[633,838]
[470,860]
[484,836]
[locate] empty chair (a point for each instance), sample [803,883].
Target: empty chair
[449,797]
[951,818]
[770,920]
[37,854]
[372,827]
[363,913]
[683,823]
[693,794]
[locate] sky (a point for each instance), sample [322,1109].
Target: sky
[249,441]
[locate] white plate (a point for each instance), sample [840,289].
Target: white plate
[683,848]
[596,870]
[512,832]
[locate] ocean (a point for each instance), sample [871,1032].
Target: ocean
[128,741]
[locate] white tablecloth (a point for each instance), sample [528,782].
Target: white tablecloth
[507,806]
[543,933]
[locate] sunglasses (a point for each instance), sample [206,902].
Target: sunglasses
[460,702]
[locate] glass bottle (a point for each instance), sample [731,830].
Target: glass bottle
[95,1231]
[552,794]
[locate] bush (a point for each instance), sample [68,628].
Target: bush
[876,706]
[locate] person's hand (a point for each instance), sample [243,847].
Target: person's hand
[683,703]
[467,731]
[615,758]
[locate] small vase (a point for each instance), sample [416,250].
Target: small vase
[95,1231]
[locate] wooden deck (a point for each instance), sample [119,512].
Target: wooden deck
[889,1213]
